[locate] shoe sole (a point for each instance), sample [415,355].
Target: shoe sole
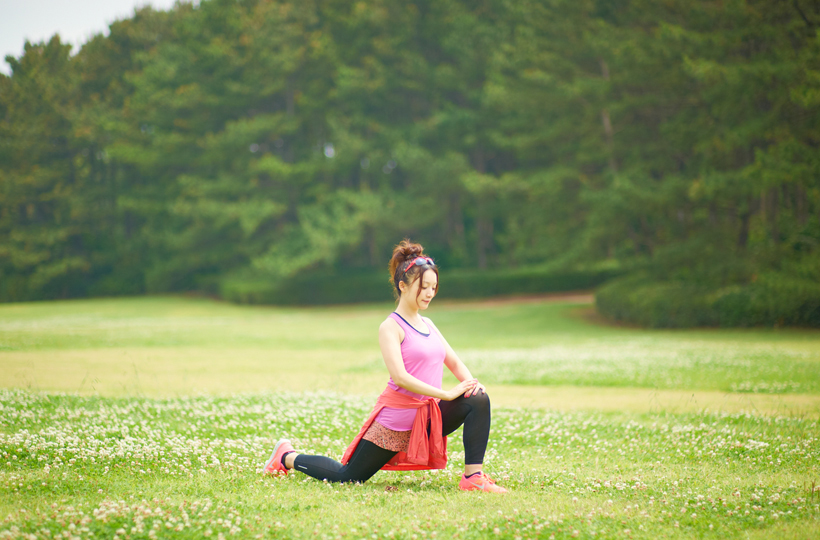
[482,490]
[273,455]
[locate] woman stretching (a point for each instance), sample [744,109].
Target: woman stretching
[408,426]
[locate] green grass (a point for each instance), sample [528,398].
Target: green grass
[168,443]
[162,346]
[105,464]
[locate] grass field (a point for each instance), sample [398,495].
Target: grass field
[150,418]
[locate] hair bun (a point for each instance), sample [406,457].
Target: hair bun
[411,251]
[404,251]
[401,270]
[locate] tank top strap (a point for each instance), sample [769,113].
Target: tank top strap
[407,327]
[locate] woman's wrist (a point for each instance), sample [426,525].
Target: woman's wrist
[421,388]
[465,375]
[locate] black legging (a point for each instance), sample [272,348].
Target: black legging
[473,412]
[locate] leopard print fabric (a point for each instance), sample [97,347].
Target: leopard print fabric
[395,441]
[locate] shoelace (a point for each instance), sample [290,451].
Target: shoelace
[487,477]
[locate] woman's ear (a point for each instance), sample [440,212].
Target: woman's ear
[402,286]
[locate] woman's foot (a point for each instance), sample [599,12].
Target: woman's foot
[479,482]
[275,464]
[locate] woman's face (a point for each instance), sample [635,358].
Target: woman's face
[421,300]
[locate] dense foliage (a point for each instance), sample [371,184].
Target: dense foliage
[772,299]
[254,140]
[347,287]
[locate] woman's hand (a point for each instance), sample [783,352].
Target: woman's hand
[465,388]
[478,388]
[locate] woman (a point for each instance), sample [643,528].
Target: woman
[408,427]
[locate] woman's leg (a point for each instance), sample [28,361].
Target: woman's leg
[474,413]
[364,463]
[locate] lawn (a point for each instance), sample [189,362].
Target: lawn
[151,417]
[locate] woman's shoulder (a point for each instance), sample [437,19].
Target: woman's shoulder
[430,323]
[390,329]
[389,323]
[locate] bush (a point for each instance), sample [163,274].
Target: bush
[480,284]
[370,286]
[309,289]
[773,299]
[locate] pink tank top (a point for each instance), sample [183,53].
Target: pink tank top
[423,356]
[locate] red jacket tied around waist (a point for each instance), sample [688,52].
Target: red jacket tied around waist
[423,452]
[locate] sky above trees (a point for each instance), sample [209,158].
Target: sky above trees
[74,20]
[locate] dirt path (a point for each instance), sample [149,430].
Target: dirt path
[572,297]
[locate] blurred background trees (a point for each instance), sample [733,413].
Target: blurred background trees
[253,146]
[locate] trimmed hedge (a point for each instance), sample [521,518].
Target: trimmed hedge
[478,284]
[309,289]
[369,286]
[773,299]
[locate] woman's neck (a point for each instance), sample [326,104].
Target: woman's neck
[408,312]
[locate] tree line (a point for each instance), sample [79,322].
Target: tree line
[262,139]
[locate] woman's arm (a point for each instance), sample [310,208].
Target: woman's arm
[454,363]
[390,344]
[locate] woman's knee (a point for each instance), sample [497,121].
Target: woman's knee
[479,402]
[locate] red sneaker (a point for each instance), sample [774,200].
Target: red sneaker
[480,482]
[274,464]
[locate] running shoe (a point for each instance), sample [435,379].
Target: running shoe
[274,464]
[480,482]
